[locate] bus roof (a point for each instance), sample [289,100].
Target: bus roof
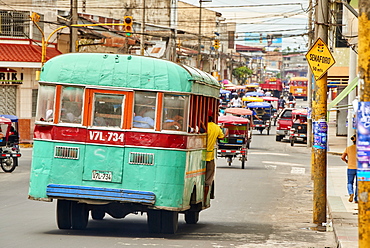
[129,71]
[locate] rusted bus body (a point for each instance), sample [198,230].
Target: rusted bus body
[119,130]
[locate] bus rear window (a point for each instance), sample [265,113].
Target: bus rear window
[107,110]
[71,105]
[45,107]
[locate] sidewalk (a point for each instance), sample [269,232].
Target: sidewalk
[344,214]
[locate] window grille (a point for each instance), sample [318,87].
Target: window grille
[66,152]
[141,158]
[14,23]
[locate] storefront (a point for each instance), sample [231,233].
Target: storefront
[19,61]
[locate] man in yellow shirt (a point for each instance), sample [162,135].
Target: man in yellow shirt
[214,132]
[350,157]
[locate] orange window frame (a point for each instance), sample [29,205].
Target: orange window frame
[127,111]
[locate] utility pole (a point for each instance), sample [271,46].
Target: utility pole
[73,31]
[142,38]
[319,103]
[363,170]
[309,74]
[199,35]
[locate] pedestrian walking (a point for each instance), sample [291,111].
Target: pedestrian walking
[350,157]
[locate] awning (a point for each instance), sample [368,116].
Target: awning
[343,94]
[25,52]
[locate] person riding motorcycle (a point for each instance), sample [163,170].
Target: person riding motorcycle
[281,102]
[291,101]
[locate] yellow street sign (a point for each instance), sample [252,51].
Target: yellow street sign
[319,58]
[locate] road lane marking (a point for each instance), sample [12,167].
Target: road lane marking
[270,153]
[281,163]
[270,167]
[298,170]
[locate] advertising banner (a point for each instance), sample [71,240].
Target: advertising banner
[320,134]
[363,141]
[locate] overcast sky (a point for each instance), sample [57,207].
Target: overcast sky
[288,19]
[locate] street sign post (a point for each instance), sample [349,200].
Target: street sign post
[319,58]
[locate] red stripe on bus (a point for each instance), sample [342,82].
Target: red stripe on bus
[120,138]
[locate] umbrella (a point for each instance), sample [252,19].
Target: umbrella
[270,98]
[259,105]
[230,119]
[252,99]
[254,94]
[4,120]
[222,91]
[230,87]
[238,111]
[299,112]
[252,86]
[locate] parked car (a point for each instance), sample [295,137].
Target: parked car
[284,123]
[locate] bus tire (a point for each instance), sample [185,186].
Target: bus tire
[154,220]
[97,214]
[169,221]
[278,138]
[8,164]
[64,214]
[79,215]
[191,217]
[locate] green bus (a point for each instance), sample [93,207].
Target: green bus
[118,134]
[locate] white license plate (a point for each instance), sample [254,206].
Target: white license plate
[102,175]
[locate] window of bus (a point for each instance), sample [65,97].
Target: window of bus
[107,110]
[144,109]
[45,107]
[71,105]
[175,112]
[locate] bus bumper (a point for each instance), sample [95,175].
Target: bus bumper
[100,194]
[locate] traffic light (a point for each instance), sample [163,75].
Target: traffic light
[127,20]
[216,43]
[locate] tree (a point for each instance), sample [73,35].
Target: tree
[242,74]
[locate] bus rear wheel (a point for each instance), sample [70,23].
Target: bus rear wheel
[162,221]
[79,215]
[191,217]
[97,214]
[64,214]
[170,221]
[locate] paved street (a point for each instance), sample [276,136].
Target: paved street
[268,204]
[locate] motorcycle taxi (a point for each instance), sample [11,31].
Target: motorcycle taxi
[263,111]
[298,131]
[235,143]
[9,143]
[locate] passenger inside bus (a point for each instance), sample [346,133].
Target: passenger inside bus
[144,118]
[174,121]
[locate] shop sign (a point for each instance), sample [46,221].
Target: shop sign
[11,78]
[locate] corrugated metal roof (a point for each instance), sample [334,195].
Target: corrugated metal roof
[25,52]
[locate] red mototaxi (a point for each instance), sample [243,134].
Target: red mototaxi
[299,126]
[236,142]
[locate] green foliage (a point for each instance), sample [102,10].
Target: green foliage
[242,74]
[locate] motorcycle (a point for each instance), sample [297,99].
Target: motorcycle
[9,143]
[291,104]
